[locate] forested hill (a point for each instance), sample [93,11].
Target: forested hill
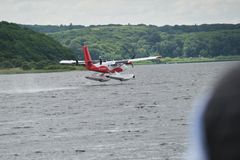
[124,41]
[116,41]
[21,46]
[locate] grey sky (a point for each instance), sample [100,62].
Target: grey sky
[93,12]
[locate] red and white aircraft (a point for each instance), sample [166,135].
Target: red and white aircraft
[107,70]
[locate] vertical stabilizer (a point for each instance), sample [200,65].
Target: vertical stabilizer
[87,57]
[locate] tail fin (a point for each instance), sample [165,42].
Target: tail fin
[87,57]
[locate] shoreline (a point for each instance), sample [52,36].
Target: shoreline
[166,60]
[22,71]
[176,60]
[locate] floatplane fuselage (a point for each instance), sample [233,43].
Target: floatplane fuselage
[109,69]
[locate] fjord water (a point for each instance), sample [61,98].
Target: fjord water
[65,116]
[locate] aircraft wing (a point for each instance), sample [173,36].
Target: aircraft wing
[144,59]
[130,61]
[77,62]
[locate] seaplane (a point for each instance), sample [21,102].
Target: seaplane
[107,70]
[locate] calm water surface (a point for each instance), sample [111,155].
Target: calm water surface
[64,116]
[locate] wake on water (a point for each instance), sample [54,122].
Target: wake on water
[33,90]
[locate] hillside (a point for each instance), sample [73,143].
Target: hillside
[124,41]
[20,46]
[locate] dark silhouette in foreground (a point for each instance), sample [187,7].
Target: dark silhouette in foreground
[217,125]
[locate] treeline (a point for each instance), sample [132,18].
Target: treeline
[22,47]
[198,28]
[124,41]
[176,29]
[52,28]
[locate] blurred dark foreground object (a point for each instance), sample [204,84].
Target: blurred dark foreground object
[217,123]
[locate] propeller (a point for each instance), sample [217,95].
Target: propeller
[131,64]
[134,55]
[100,60]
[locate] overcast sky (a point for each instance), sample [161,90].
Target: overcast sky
[94,12]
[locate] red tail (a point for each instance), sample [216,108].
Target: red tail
[87,57]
